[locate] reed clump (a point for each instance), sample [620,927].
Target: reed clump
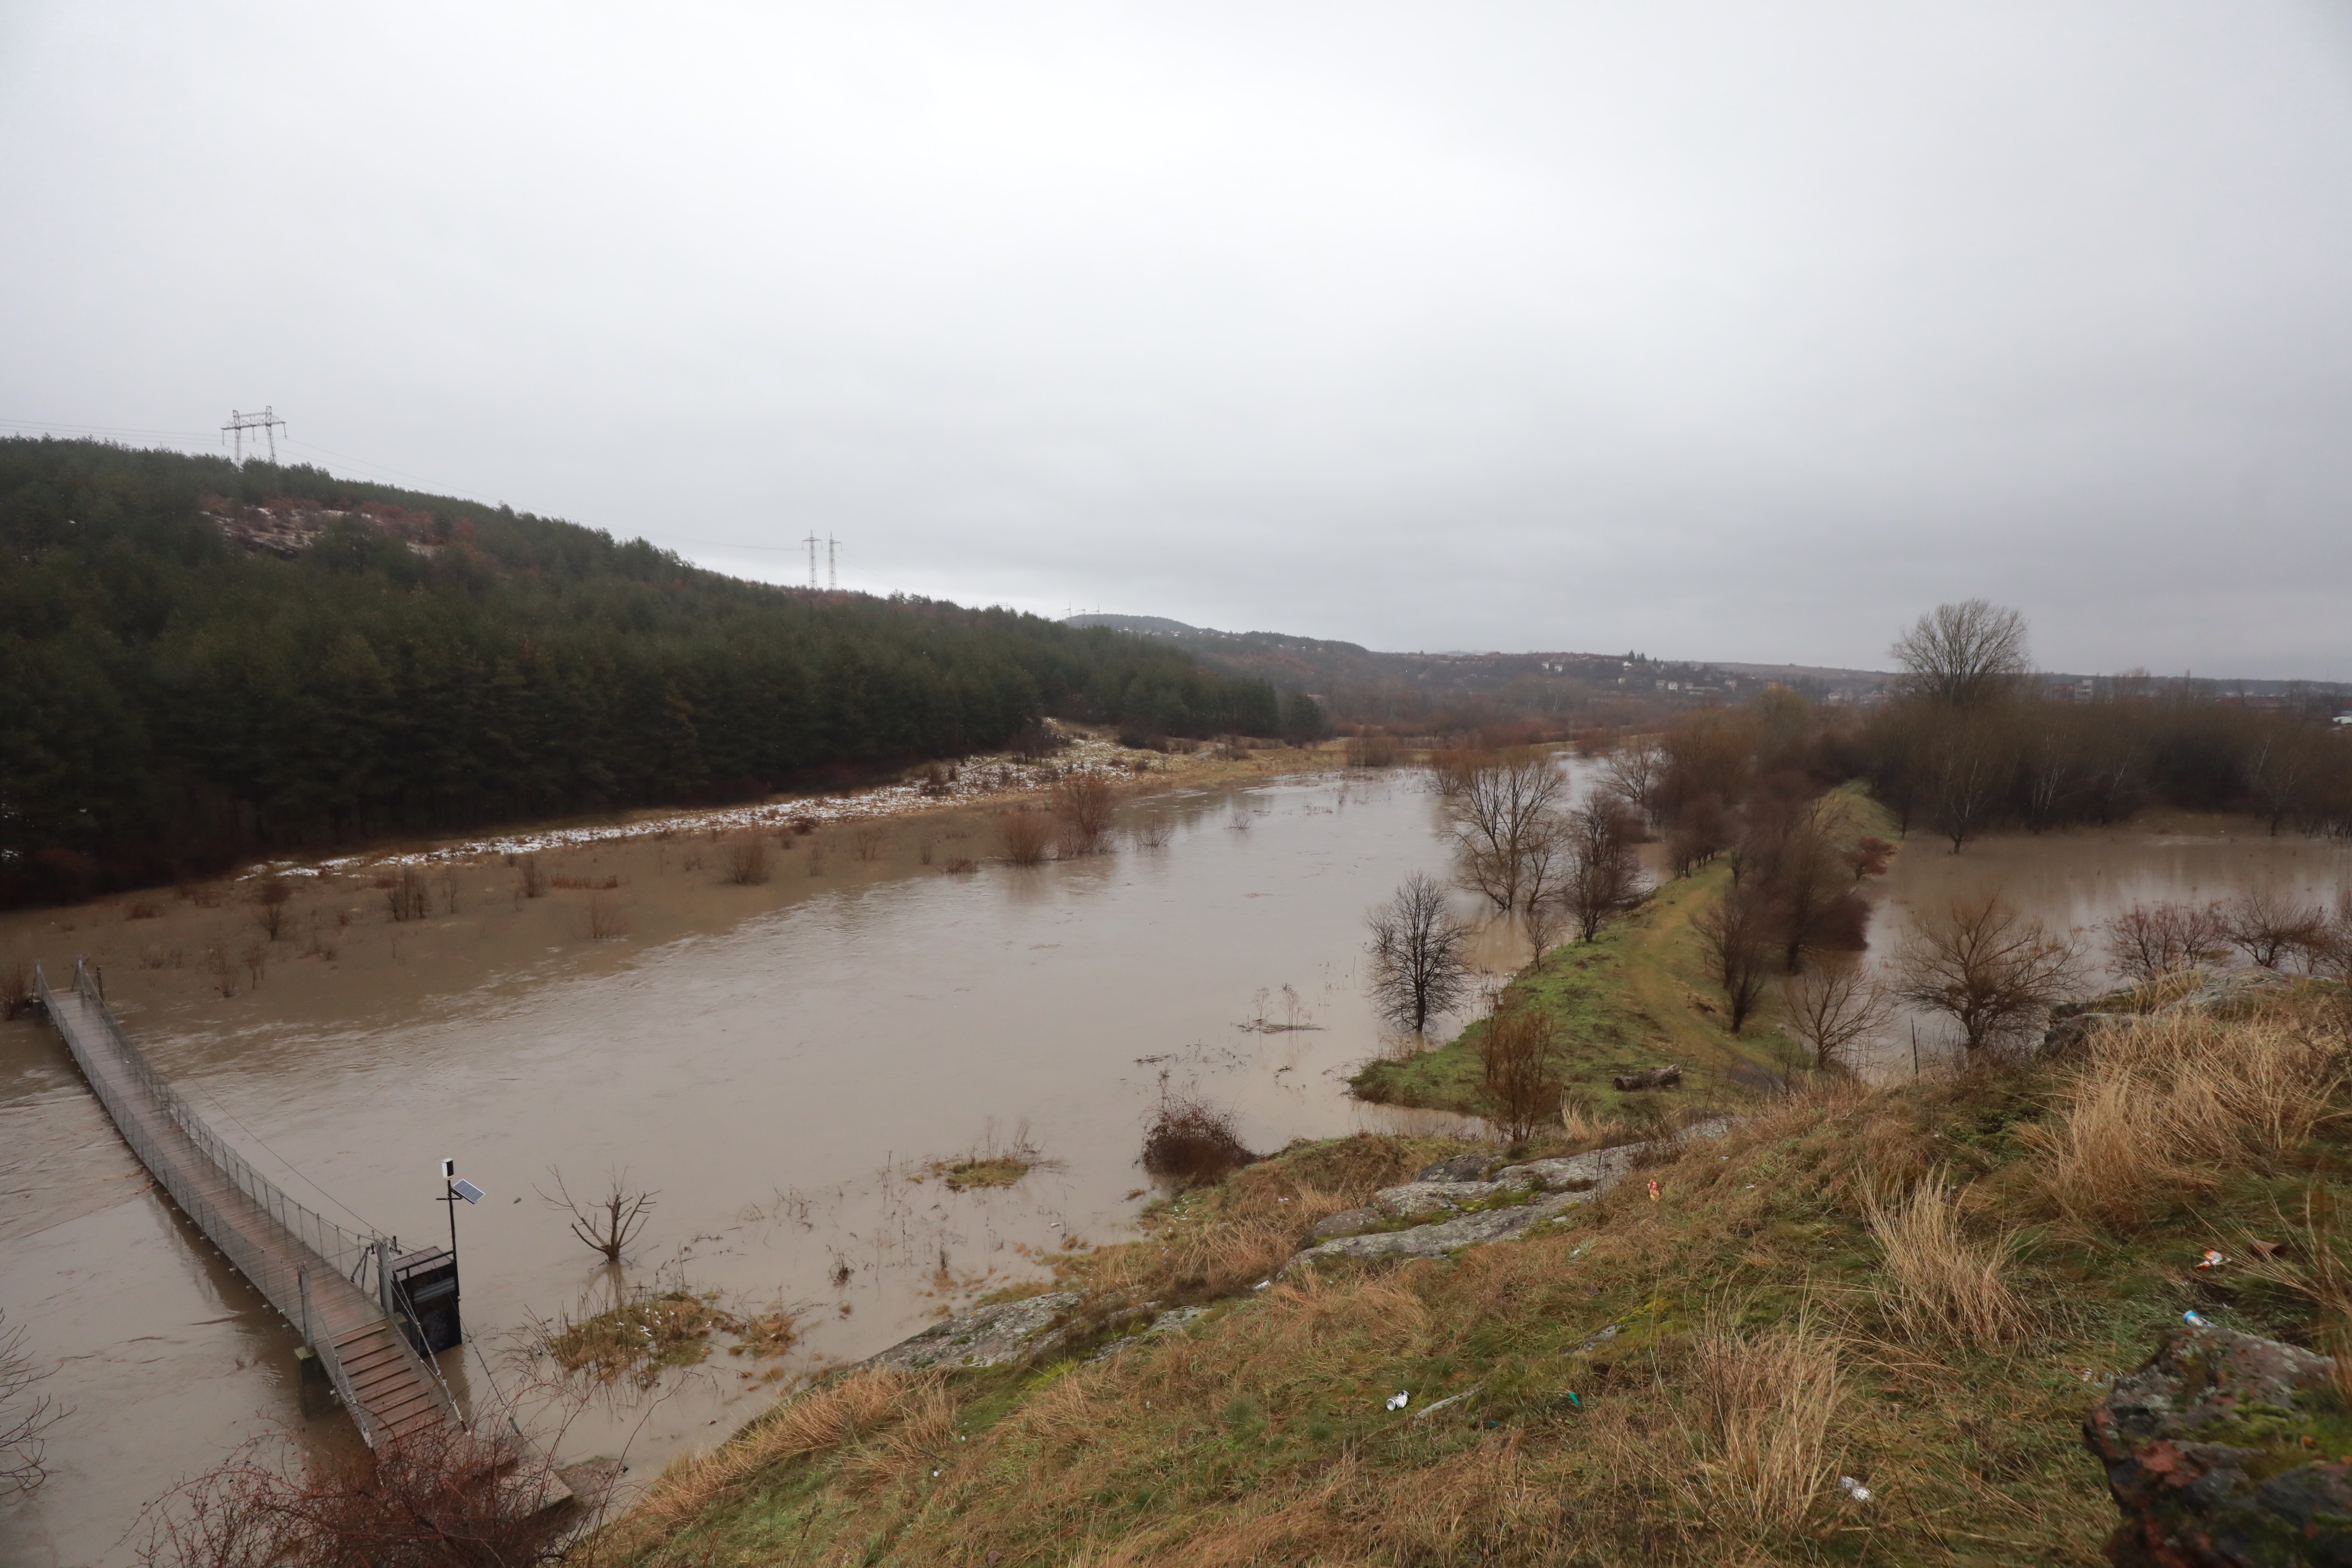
[1767,1404]
[1939,1284]
[2156,1111]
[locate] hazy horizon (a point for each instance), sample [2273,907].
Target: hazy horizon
[1720,334]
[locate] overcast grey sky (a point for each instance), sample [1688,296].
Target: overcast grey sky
[1721,331]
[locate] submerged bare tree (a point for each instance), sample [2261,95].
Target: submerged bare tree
[1963,653]
[2147,941]
[609,1224]
[1504,810]
[1831,1008]
[1994,970]
[1603,877]
[2270,929]
[26,1413]
[1637,772]
[1418,968]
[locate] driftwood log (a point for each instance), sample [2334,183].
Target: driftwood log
[1654,1077]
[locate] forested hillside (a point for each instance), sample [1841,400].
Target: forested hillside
[362,660]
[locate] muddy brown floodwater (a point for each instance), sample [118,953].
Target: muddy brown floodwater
[778,1062]
[2076,880]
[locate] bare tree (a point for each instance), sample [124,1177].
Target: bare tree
[26,1413]
[1541,919]
[1831,1008]
[2151,939]
[2268,929]
[2282,766]
[1737,934]
[1794,853]
[1503,808]
[1418,967]
[1636,770]
[1522,1081]
[1963,653]
[2049,766]
[270,901]
[609,1224]
[408,897]
[1994,970]
[1969,767]
[1605,877]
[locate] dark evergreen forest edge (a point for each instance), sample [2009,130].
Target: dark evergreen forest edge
[173,702]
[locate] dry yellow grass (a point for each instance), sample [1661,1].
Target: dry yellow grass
[1939,1285]
[2162,1107]
[822,1419]
[1767,1404]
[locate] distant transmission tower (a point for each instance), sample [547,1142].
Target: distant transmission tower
[266,422]
[832,563]
[812,543]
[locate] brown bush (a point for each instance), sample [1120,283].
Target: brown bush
[867,842]
[1516,1069]
[743,859]
[407,897]
[2148,940]
[532,880]
[1023,837]
[1085,803]
[1192,1143]
[141,910]
[2269,928]
[440,1500]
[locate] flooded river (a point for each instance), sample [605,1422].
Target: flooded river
[2075,881]
[776,1063]
[779,1063]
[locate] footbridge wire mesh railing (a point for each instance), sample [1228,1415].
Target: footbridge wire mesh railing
[282,1273]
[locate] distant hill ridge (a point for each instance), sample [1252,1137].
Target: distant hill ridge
[1604,672]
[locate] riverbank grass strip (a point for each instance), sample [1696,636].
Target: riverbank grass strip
[1767,1341]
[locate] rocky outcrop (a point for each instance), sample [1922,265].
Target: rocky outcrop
[1470,1167]
[2218,1452]
[1436,1239]
[1457,1213]
[1007,1333]
[1649,1078]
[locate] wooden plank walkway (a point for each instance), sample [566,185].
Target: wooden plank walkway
[273,1241]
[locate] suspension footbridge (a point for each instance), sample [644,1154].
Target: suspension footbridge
[346,1293]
